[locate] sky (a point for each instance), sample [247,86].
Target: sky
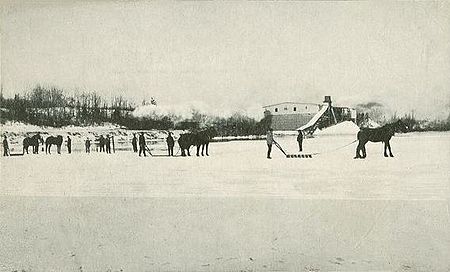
[233,55]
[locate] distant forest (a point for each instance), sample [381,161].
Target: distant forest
[45,106]
[53,107]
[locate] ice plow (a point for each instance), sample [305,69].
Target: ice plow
[290,156]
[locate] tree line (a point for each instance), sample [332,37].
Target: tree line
[51,106]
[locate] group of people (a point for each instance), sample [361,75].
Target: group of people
[143,146]
[106,142]
[7,151]
[270,141]
[104,145]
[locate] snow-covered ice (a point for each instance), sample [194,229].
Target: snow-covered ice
[234,210]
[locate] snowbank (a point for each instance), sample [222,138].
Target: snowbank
[344,128]
[20,128]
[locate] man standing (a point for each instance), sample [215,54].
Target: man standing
[269,140]
[113,145]
[142,144]
[134,143]
[102,143]
[88,145]
[108,144]
[170,143]
[5,147]
[69,145]
[300,141]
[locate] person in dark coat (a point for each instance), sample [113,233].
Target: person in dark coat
[269,140]
[87,144]
[5,146]
[300,141]
[142,145]
[102,143]
[170,143]
[134,143]
[69,145]
[113,145]
[108,144]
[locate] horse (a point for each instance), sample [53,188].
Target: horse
[32,141]
[200,139]
[185,142]
[380,134]
[52,140]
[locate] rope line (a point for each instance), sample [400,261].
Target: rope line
[316,153]
[336,149]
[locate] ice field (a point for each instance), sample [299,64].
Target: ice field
[232,211]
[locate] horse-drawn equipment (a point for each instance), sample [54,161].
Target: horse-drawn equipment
[290,156]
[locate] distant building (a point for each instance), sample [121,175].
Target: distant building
[288,116]
[291,115]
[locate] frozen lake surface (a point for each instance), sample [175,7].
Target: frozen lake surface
[232,211]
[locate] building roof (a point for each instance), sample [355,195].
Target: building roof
[296,103]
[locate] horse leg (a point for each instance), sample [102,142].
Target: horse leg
[390,151]
[358,149]
[58,149]
[198,150]
[364,154]
[207,144]
[203,149]
[385,149]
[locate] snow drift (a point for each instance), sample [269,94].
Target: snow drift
[343,128]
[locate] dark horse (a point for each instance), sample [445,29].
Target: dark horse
[381,134]
[51,140]
[185,142]
[32,141]
[199,139]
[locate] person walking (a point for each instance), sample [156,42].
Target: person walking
[134,143]
[87,144]
[170,143]
[269,140]
[300,141]
[69,145]
[142,145]
[5,146]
